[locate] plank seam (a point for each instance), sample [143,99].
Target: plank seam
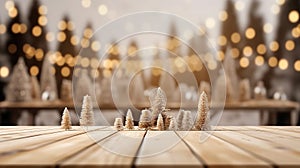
[138,150]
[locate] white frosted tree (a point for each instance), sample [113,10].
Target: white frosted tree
[160,123]
[145,119]
[245,90]
[158,104]
[36,89]
[172,126]
[179,119]
[118,124]
[66,120]
[205,86]
[187,121]
[129,124]
[203,117]
[19,86]
[87,114]
[48,80]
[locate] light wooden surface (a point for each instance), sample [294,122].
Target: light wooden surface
[232,146]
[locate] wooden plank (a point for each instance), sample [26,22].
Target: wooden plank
[266,150]
[165,149]
[233,128]
[217,153]
[278,131]
[118,150]
[49,155]
[24,129]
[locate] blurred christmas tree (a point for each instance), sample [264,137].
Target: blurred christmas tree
[15,35]
[66,52]
[254,48]
[37,46]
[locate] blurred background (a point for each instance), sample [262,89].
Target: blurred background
[257,42]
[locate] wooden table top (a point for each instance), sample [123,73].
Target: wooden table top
[244,146]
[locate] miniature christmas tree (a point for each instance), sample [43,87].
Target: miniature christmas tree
[118,124]
[36,90]
[205,87]
[48,80]
[187,121]
[202,121]
[87,114]
[245,91]
[129,120]
[160,123]
[172,126]
[66,120]
[66,90]
[145,119]
[179,119]
[19,86]
[158,104]
[167,120]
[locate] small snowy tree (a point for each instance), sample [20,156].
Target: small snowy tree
[129,120]
[179,119]
[87,114]
[187,121]
[118,124]
[202,121]
[172,126]
[19,86]
[145,119]
[158,104]
[245,91]
[36,89]
[167,120]
[160,123]
[66,120]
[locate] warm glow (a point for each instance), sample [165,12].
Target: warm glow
[210,23]
[220,55]
[53,70]
[60,61]
[212,65]
[50,36]
[70,26]
[275,9]
[273,61]
[42,20]
[235,37]
[85,62]
[94,63]
[261,49]
[96,46]
[23,28]
[239,5]
[293,16]
[74,40]
[222,40]
[297,65]
[289,45]
[61,36]
[274,46]
[268,28]
[235,52]
[86,3]
[2,28]
[179,62]
[250,33]
[39,54]
[65,71]
[16,28]
[107,63]
[62,25]
[9,5]
[85,43]
[283,64]
[244,62]
[107,73]
[4,72]
[36,31]
[43,10]
[259,60]
[12,48]
[131,50]
[223,15]
[95,73]
[34,70]
[280,2]
[247,51]
[30,51]
[13,12]
[102,10]
[88,33]
[296,32]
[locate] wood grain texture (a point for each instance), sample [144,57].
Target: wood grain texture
[165,149]
[218,153]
